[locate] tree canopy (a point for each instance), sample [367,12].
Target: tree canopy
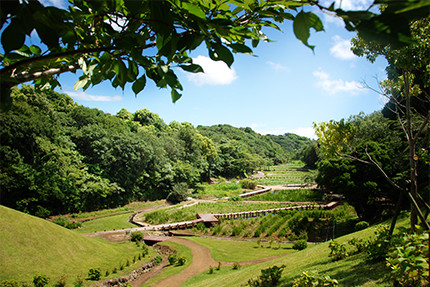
[128,41]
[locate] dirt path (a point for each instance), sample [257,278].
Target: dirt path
[202,260]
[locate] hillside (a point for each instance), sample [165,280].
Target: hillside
[31,246]
[291,143]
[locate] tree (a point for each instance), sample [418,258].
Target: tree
[130,41]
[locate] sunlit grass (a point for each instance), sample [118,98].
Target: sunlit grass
[114,222]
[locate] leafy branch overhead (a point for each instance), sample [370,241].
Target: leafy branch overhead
[129,41]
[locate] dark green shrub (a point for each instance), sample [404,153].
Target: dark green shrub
[62,221]
[107,273]
[361,225]
[114,271]
[178,194]
[211,270]
[377,248]
[219,266]
[136,236]
[269,277]
[300,245]
[13,283]
[181,261]
[40,280]
[172,258]
[358,244]
[236,266]
[94,274]
[314,280]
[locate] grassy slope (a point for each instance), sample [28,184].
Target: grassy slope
[233,251]
[31,246]
[352,271]
[107,223]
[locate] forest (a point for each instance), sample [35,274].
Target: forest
[60,157]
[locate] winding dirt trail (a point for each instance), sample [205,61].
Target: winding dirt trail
[202,260]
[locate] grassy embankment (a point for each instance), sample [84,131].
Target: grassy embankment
[352,271]
[31,246]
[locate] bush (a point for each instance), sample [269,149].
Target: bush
[236,266]
[181,261]
[337,250]
[269,277]
[13,283]
[300,245]
[40,280]
[314,280]
[248,184]
[361,225]
[377,248]
[178,194]
[94,274]
[172,258]
[408,260]
[62,221]
[136,236]
[157,260]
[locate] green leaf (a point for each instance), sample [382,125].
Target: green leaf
[193,68]
[195,10]
[139,85]
[12,37]
[80,83]
[175,95]
[221,53]
[302,24]
[241,48]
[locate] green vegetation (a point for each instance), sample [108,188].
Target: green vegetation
[114,222]
[290,173]
[234,251]
[182,252]
[49,249]
[291,195]
[218,190]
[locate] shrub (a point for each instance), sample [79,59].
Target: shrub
[157,260]
[361,225]
[314,280]
[13,283]
[236,266]
[358,244]
[61,282]
[172,258]
[269,277]
[300,245]
[248,184]
[79,282]
[136,236]
[94,274]
[40,280]
[211,270]
[337,250]
[219,266]
[377,248]
[408,261]
[178,194]
[62,221]
[181,261]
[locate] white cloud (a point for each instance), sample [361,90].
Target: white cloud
[215,73]
[82,96]
[277,67]
[349,4]
[336,86]
[341,48]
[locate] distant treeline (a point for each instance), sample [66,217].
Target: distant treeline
[60,157]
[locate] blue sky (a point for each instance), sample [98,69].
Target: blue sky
[284,88]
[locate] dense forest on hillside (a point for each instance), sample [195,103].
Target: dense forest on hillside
[60,157]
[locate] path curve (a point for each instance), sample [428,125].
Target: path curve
[202,260]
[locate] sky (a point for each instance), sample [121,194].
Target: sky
[284,88]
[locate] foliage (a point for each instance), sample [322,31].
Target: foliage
[408,260]
[157,260]
[248,183]
[94,274]
[361,225]
[269,277]
[236,266]
[62,221]
[61,282]
[309,155]
[300,245]
[181,261]
[178,194]
[313,279]
[377,248]
[40,280]
[136,236]
[337,250]
[13,283]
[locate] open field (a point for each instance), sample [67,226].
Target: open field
[31,246]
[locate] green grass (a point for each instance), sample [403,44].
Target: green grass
[31,246]
[290,173]
[352,271]
[290,195]
[182,251]
[106,223]
[218,190]
[235,251]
